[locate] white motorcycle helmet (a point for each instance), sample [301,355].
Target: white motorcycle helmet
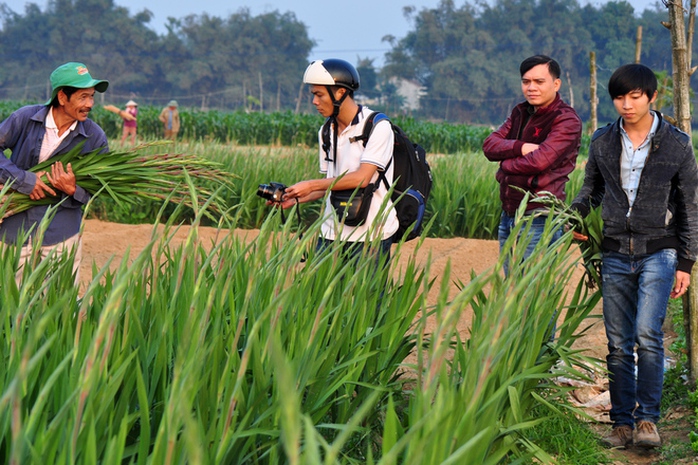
[332,72]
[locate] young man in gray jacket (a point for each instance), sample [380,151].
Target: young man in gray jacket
[643,172]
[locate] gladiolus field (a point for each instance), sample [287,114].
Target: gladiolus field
[263,351]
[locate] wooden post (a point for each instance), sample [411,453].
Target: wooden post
[594,101]
[691,31]
[569,84]
[261,92]
[680,67]
[681,72]
[278,96]
[300,98]
[638,44]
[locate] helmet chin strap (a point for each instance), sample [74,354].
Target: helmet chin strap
[335,112]
[336,103]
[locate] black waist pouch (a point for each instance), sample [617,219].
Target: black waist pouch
[351,205]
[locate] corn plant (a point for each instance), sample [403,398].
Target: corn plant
[275,128]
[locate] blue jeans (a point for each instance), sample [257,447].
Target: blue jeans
[506,225]
[635,297]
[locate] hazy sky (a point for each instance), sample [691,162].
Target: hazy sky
[347,29]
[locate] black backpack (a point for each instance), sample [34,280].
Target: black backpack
[411,173]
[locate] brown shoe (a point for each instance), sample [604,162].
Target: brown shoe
[619,437]
[647,435]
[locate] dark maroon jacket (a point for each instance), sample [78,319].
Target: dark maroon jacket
[557,129]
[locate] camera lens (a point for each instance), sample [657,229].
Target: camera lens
[273,191]
[265,191]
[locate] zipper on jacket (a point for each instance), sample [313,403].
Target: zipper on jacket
[627,226]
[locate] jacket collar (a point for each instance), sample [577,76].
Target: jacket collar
[528,108]
[661,127]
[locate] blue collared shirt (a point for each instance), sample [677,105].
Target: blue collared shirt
[632,160]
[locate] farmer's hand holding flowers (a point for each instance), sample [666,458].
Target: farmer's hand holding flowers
[62,179]
[40,188]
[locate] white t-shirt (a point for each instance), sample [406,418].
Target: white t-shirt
[51,138]
[350,155]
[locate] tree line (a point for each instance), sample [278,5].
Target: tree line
[242,61]
[465,57]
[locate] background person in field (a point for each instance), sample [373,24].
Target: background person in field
[348,164]
[643,172]
[130,119]
[36,133]
[130,125]
[169,117]
[536,147]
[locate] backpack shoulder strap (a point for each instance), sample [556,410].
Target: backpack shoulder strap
[371,121]
[381,175]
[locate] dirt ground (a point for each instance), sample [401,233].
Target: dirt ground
[102,241]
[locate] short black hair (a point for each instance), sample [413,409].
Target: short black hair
[67,90]
[632,77]
[535,60]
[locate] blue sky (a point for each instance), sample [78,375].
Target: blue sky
[342,29]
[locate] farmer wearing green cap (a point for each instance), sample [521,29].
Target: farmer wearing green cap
[36,133]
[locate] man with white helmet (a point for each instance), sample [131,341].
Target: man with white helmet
[347,163]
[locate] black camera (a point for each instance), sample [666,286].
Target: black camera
[273,191]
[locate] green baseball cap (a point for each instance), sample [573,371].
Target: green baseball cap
[76,75]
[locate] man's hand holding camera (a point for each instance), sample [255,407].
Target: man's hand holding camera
[301,192]
[273,192]
[280,195]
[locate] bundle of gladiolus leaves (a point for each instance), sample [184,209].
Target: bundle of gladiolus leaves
[591,227]
[127,176]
